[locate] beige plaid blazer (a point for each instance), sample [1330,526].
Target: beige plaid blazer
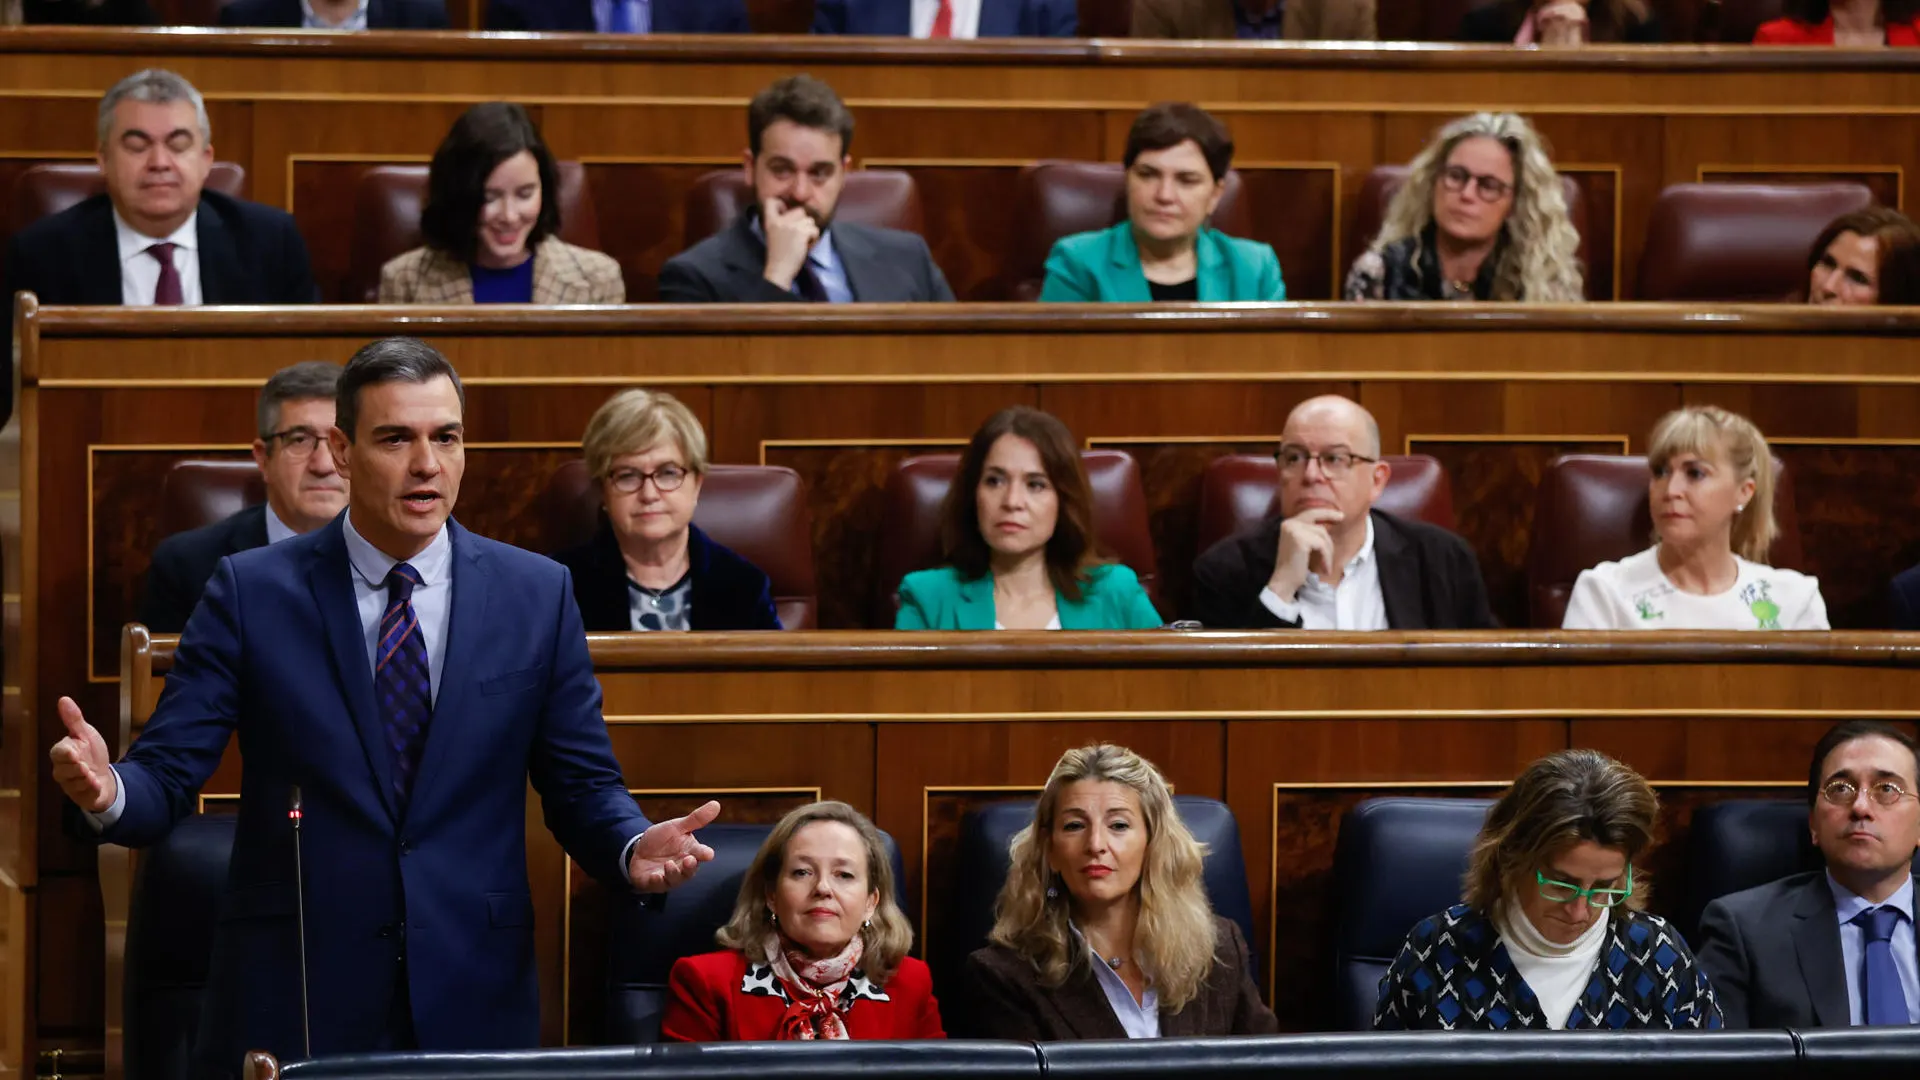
[562,274]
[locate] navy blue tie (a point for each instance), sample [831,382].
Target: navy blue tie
[808,284]
[1886,1002]
[402,682]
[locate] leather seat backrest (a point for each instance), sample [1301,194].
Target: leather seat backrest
[44,190]
[1238,491]
[1592,508]
[1741,843]
[1738,20]
[1396,862]
[197,493]
[886,198]
[170,927]
[760,511]
[644,944]
[1056,199]
[386,220]
[1384,181]
[910,521]
[1738,243]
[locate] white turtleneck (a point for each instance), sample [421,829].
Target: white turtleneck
[1558,974]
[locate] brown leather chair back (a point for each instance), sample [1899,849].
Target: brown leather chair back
[760,511]
[1238,491]
[1738,243]
[44,190]
[1422,20]
[197,493]
[887,198]
[910,521]
[1377,191]
[1105,18]
[1056,199]
[386,220]
[1734,22]
[1592,508]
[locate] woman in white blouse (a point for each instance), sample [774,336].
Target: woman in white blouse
[1711,493]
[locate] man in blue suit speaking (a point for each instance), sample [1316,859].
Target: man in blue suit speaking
[409,678]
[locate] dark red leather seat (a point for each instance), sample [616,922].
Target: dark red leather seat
[887,198]
[1238,491]
[197,493]
[1377,191]
[48,189]
[910,521]
[1738,243]
[760,511]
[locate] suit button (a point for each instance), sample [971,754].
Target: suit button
[406,847]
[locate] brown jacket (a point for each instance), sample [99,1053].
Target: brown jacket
[1004,999]
[562,274]
[1303,20]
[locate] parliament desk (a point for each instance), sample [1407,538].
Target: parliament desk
[307,114]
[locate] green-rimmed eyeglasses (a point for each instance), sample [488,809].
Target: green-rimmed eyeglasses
[1561,892]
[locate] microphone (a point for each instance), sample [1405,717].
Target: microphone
[294,814]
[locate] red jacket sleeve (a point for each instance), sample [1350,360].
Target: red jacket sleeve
[916,986]
[1783,32]
[696,993]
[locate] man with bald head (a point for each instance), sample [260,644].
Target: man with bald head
[1328,560]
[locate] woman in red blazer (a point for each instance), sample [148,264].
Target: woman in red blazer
[816,948]
[1857,22]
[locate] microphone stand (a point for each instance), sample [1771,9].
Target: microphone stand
[294,814]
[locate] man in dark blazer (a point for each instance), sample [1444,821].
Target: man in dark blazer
[584,16]
[918,18]
[1328,560]
[156,236]
[1835,947]
[304,493]
[407,679]
[337,14]
[788,247]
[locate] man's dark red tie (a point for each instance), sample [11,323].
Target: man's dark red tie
[168,291]
[943,21]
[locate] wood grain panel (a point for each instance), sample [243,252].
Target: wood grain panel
[1859,523]
[641,209]
[1295,209]
[970,216]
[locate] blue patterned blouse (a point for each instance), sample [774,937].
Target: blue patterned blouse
[1454,974]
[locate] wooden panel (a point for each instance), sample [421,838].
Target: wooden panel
[970,218]
[1295,209]
[1859,523]
[641,209]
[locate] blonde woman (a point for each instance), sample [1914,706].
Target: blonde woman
[1711,493]
[1552,934]
[1481,217]
[1103,930]
[816,948]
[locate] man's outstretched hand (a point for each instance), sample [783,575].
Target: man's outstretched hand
[666,854]
[82,768]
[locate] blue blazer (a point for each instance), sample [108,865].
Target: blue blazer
[381,14]
[275,653]
[998,18]
[1104,265]
[940,599]
[1903,600]
[669,16]
[729,593]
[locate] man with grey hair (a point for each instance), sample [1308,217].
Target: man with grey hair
[1328,560]
[157,236]
[304,491]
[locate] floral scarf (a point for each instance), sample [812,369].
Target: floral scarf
[813,988]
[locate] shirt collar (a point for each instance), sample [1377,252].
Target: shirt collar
[821,255]
[311,21]
[133,242]
[373,565]
[1848,904]
[277,530]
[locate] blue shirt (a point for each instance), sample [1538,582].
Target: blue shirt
[514,286]
[826,266]
[1268,27]
[623,16]
[1853,946]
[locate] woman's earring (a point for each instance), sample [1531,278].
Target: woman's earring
[1741,509]
[1053,887]
[868,925]
[773,917]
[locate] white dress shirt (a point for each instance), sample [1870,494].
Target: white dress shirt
[140,272]
[309,20]
[1634,594]
[1847,906]
[432,599]
[966,18]
[1355,604]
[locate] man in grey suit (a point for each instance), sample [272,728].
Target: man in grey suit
[1834,947]
[788,246]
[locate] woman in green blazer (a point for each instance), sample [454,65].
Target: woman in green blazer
[1176,158]
[1017,528]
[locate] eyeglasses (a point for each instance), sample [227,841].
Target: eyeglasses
[1335,463]
[665,478]
[1561,892]
[1491,188]
[1844,792]
[298,443]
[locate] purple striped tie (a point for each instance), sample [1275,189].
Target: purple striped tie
[401,680]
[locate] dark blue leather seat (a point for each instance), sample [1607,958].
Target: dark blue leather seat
[170,925]
[1397,861]
[644,944]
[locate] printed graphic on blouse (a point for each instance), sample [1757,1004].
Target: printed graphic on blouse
[1759,600]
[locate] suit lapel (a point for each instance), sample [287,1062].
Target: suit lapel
[745,253]
[869,280]
[998,18]
[556,275]
[1214,276]
[1082,1004]
[221,281]
[466,627]
[99,257]
[1128,281]
[1399,576]
[1816,942]
[330,576]
[976,603]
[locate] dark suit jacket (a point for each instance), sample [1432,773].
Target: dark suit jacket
[249,254]
[884,266]
[1429,577]
[1006,1001]
[669,16]
[78,13]
[1773,955]
[1301,20]
[275,653]
[729,593]
[998,18]
[1903,600]
[184,562]
[1498,24]
[381,14]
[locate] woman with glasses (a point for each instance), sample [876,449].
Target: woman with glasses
[649,567]
[1710,490]
[1481,216]
[1552,933]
